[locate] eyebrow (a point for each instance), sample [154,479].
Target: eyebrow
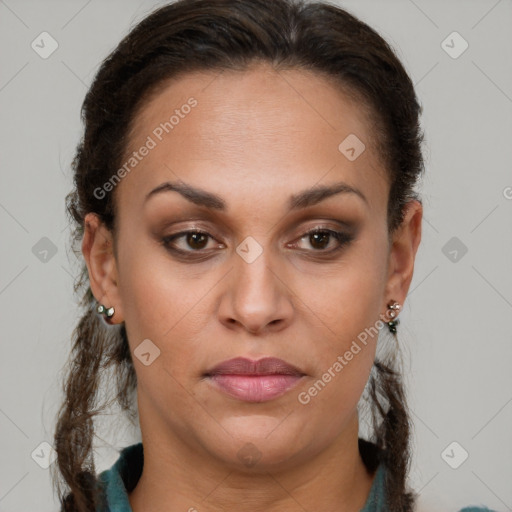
[301,200]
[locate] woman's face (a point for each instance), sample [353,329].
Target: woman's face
[252,152]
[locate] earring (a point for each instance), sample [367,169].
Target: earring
[393,310]
[102,310]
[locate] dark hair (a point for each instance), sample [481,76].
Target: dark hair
[201,35]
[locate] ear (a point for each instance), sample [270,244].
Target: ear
[98,251]
[404,244]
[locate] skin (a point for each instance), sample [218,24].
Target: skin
[255,138]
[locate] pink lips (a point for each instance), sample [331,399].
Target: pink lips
[254,381]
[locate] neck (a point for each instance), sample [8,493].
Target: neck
[177,476]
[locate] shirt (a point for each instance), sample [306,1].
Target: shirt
[123,476]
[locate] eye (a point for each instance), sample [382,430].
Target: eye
[319,239]
[195,239]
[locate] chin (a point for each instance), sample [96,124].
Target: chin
[261,442]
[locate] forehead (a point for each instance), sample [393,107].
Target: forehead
[252,131]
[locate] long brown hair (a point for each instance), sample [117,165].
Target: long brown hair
[193,35]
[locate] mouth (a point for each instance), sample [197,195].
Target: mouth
[254,381]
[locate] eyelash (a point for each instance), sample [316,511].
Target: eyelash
[342,238]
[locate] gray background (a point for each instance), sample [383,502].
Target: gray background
[455,326]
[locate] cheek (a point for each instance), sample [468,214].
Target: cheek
[348,299]
[155,299]
[168,304]
[342,368]
[160,305]
[348,307]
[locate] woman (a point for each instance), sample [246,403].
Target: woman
[244,198]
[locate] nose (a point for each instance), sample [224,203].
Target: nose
[256,297]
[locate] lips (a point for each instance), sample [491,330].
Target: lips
[254,381]
[265,366]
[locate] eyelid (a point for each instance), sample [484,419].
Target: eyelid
[348,227]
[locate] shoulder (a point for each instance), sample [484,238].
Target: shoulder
[115,483]
[476,509]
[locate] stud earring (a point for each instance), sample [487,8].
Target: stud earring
[102,310]
[393,310]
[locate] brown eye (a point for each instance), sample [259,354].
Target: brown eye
[319,239]
[195,240]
